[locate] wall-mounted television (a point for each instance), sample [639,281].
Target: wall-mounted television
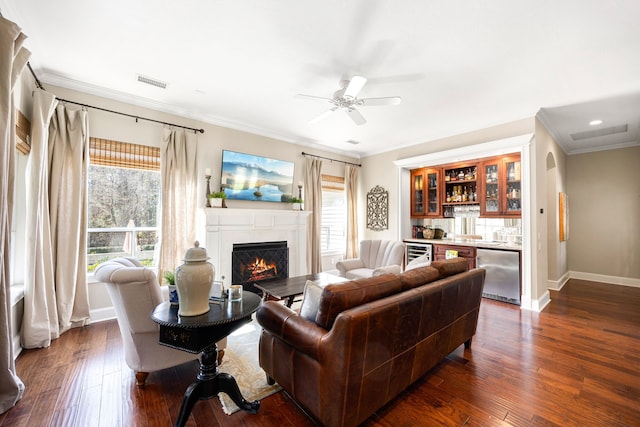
[251,177]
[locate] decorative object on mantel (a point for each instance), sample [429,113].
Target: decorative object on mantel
[216,199]
[193,282]
[207,176]
[378,209]
[296,203]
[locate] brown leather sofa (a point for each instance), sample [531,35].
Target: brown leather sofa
[371,338]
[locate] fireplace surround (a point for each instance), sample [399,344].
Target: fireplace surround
[221,228]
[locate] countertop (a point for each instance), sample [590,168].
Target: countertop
[484,244]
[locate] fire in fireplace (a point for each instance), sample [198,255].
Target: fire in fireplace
[257,262]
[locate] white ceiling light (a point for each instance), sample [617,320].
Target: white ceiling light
[595,122]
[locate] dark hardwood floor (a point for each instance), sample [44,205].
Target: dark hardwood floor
[577,363]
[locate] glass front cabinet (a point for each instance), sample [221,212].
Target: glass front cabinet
[502,191]
[425,193]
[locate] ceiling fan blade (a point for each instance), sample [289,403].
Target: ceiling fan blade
[372,102]
[322,116]
[355,86]
[356,116]
[317,98]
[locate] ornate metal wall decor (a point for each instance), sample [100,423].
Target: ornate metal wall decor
[378,209]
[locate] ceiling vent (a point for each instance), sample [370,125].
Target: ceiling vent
[599,132]
[152,82]
[351,141]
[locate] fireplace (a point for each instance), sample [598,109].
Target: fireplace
[258,262]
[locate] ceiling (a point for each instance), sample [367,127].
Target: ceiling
[458,65]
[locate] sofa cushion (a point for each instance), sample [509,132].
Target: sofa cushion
[310,300]
[419,276]
[451,266]
[339,297]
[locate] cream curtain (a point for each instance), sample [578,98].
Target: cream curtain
[313,203]
[56,293]
[351,173]
[178,167]
[13,58]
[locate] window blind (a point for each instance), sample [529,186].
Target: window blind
[334,214]
[23,133]
[332,183]
[105,152]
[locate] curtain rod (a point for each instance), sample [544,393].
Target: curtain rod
[333,160]
[130,115]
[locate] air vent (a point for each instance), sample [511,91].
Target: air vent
[152,82]
[351,141]
[599,132]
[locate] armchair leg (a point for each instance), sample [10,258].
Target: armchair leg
[220,356]
[141,378]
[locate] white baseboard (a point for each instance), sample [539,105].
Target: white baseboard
[558,284]
[614,280]
[537,304]
[102,314]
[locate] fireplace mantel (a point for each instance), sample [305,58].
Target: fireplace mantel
[225,226]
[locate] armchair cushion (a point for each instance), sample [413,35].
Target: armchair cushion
[389,269]
[373,254]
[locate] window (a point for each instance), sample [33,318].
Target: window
[123,201]
[334,214]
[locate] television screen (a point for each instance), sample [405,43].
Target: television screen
[249,177]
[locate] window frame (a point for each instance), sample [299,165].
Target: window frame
[335,184]
[124,155]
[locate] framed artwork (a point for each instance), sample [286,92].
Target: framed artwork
[378,209]
[563,216]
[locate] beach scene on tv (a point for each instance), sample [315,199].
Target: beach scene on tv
[250,177]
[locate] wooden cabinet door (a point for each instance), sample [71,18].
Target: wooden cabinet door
[501,193]
[432,193]
[513,191]
[490,180]
[418,199]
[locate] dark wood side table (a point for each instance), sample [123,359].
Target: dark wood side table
[199,334]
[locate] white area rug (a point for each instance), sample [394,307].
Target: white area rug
[241,361]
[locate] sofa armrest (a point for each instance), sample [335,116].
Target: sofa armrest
[393,269]
[284,323]
[348,264]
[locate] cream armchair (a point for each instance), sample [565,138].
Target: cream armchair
[135,292]
[376,257]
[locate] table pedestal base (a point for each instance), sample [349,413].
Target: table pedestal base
[209,383]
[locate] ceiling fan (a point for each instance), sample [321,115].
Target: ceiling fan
[346,99]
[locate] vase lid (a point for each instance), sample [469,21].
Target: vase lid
[196,253]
